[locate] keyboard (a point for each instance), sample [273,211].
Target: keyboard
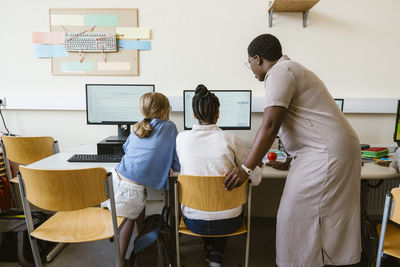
[90,42]
[96,158]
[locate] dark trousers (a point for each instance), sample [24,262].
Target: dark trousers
[217,227]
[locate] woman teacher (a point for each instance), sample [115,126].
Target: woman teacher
[318,221]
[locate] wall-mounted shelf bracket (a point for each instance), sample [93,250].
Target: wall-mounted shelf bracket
[305,16]
[303,6]
[270,15]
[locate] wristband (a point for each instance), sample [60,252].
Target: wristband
[247,170]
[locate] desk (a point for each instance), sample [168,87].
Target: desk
[368,171]
[59,161]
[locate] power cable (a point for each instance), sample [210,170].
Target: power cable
[4,123]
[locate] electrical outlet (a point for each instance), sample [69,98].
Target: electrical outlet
[3,101]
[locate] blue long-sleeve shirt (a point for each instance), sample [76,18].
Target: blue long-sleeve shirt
[147,161]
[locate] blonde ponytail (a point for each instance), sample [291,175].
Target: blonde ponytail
[152,105]
[143,128]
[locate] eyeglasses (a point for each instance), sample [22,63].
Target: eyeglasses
[248,63]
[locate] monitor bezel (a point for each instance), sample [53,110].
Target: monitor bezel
[342,105]
[111,122]
[222,127]
[396,122]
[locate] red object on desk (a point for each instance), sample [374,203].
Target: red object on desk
[272,156]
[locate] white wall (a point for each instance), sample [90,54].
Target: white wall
[352,45]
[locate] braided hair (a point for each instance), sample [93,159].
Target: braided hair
[205,104]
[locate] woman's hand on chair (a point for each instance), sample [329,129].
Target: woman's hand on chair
[235,178]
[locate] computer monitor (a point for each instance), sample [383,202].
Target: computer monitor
[397,124]
[115,104]
[234,110]
[340,103]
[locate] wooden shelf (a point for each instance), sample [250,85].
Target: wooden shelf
[291,6]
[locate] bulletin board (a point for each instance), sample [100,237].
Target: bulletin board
[120,63]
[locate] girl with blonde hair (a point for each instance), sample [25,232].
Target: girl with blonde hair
[150,157]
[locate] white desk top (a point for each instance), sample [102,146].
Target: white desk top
[59,161]
[368,171]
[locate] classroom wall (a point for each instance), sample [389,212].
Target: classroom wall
[351,45]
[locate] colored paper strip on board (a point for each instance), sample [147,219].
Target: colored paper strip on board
[76,66]
[132,33]
[46,51]
[101,20]
[48,37]
[134,45]
[75,20]
[118,66]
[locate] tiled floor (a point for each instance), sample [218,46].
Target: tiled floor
[101,253]
[262,251]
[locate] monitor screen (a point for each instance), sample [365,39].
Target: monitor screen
[397,125]
[340,103]
[234,110]
[115,104]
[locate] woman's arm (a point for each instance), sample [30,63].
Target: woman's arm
[272,120]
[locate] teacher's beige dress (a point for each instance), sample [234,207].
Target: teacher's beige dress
[319,214]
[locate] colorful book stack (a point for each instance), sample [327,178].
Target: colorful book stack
[374,152]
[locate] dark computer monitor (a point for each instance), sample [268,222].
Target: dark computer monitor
[234,110]
[340,103]
[397,124]
[115,104]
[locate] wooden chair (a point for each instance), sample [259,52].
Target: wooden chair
[23,151]
[207,193]
[26,150]
[72,193]
[389,240]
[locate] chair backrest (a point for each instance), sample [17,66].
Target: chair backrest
[396,206]
[64,190]
[26,150]
[208,193]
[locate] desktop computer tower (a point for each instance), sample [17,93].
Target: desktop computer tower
[110,146]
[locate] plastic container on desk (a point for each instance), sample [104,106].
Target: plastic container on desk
[281,156]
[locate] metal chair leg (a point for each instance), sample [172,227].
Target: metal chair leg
[53,253]
[178,258]
[379,254]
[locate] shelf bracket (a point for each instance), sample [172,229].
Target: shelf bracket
[270,14]
[305,16]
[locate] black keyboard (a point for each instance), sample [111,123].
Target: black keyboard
[96,158]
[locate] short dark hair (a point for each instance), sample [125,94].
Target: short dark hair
[205,104]
[265,46]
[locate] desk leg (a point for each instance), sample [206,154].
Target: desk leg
[369,235]
[364,197]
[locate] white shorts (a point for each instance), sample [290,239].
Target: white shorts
[130,198]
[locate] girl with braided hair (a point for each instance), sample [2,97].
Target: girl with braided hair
[206,150]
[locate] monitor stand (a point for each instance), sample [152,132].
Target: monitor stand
[123,133]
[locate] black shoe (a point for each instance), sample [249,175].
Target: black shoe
[214,259]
